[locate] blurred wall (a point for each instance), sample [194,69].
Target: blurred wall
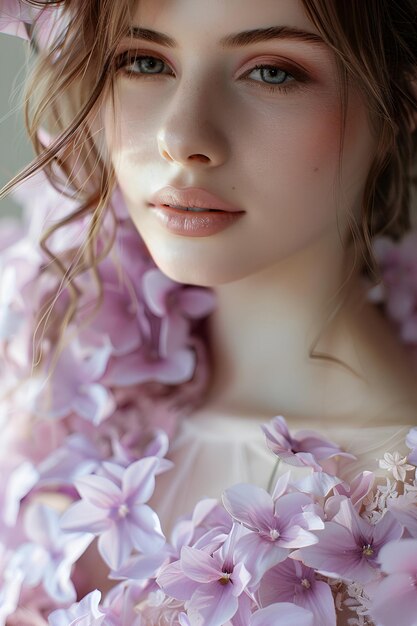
[15,148]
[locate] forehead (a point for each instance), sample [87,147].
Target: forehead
[209,20]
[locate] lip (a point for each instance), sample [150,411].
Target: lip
[192,197]
[189,224]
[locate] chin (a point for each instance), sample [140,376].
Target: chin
[198,273]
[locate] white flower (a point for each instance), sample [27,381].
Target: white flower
[396,464]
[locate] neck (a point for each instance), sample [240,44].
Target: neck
[263,329]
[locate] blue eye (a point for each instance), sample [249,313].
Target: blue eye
[271,73]
[147,65]
[273,77]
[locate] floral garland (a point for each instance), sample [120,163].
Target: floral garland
[85,469]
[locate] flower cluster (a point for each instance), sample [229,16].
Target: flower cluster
[297,555]
[25,20]
[397,292]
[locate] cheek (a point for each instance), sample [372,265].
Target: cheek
[292,166]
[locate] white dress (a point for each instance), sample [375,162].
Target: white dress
[215,451]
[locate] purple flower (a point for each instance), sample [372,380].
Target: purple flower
[167,297]
[404,509]
[164,357]
[49,557]
[291,581]
[13,15]
[305,448]
[348,547]
[79,455]
[20,18]
[276,526]
[121,604]
[117,319]
[398,264]
[74,385]
[117,512]
[282,614]
[212,585]
[395,599]
[84,613]
[411,441]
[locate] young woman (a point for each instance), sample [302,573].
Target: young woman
[215,187]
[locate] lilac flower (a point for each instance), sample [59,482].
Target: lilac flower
[79,455]
[404,509]
[74,385]
[291,581]
[84,613]
[276,526]
[395,599]
[411,442]
[18,484]
[140,604]
[212,585]
[123,604]
[306,448]
[166,297]
[10,586]
[117,319]
[398,264]
[358,489]
[13,15]
[348,547]
[49,558]
[117,513]
[17,18]
[164,357]
[282,614]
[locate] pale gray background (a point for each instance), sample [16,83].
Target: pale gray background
[15,148]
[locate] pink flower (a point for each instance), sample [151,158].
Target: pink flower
[87,612]
[395,599]
[117,512]
[349,546]
[164,357]
[75,387]
[116,319]
[305,448]
[276,526]
[411,442]
[14,16]
[48,557]
[20,19]
[398,264]
[291,581]
[167,297]
[282,614]
[212,585]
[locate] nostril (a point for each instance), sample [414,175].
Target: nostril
[199,157]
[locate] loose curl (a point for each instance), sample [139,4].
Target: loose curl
[375,46]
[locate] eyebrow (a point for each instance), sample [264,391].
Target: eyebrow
[236,40]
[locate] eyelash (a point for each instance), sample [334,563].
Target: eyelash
[129,58]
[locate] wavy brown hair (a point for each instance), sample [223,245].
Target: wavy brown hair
[375,46]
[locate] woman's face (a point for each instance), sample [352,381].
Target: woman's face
[199,114]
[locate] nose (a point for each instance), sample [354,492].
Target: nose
[191,132]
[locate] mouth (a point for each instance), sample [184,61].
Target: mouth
[191,209]
[191,199]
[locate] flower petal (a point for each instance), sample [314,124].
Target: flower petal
[282,614]
[199,565]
